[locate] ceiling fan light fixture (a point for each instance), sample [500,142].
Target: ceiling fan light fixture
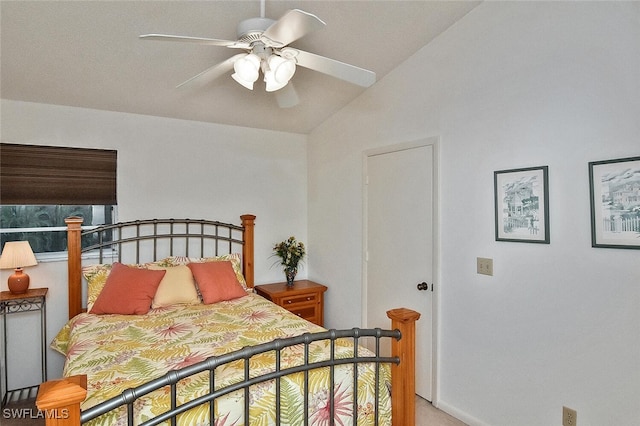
[271,84]
[247,70]
[279,73]
[265,43]
[245,83]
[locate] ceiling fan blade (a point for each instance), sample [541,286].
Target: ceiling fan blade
[337,69]
[196,40]
[213,72]
[290,27]
[287,97]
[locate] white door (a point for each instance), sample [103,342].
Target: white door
[400,246]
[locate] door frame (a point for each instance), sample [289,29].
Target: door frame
[434,142]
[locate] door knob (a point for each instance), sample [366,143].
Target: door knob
[423,286]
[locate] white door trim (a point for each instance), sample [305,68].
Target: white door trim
[433,141]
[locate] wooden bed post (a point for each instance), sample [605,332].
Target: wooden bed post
[403,375]
[60,400]
[74,247]
[248,222]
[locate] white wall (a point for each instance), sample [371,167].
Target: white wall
[166,168]
[513,84]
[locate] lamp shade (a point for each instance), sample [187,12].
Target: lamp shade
[280,72]
[17,255]
[247,70]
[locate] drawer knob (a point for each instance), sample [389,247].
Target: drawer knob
[309,298]
[289,301]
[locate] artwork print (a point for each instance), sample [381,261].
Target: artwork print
[615,203]
[522,205]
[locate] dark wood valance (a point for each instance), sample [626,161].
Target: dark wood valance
[41,175]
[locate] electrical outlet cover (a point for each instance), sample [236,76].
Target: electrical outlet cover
[569,417]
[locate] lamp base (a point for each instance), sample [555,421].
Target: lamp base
[18,282]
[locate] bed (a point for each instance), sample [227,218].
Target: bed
[159,353]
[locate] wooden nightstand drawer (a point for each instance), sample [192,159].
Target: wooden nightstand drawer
[305,299]
[309,313]
[300,299]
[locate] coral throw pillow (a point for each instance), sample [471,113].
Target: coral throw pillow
[217,281]
[128,291]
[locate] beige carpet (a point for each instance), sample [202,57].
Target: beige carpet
[428,415]
[22,413]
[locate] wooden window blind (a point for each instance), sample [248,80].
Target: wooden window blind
[41,175]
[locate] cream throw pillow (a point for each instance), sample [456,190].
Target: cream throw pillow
[177,287]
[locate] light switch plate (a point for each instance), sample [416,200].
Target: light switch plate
[485,266]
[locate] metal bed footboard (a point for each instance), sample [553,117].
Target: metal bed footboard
[172,378]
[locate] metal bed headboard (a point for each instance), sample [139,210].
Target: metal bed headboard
[156,231]
[153,239]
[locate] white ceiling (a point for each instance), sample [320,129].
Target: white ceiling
[87,54]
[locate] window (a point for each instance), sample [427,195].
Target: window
[44,226]
[40,186]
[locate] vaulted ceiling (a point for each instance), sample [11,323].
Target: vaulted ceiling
[88,54]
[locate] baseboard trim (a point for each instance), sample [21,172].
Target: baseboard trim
[459,414]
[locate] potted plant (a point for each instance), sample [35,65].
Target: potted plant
[291,253]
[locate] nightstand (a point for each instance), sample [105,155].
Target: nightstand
[305,298]
[33,300]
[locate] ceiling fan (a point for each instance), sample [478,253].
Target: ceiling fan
[265,43]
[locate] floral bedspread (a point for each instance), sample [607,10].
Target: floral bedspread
[117,352]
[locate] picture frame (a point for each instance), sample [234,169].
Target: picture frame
[614,188]
[522,205]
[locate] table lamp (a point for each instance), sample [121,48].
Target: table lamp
[17,255]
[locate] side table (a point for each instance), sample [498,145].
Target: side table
[305,298]
[33,300]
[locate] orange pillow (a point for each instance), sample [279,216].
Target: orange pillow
[128,291]
[217,281]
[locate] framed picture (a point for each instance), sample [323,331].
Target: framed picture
[522,205]
[615,203]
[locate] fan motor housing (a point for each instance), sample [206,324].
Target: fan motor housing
[251,29]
